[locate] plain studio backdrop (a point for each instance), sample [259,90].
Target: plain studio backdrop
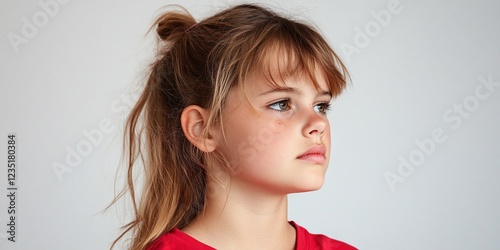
[415,137]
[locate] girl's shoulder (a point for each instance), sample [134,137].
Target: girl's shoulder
[306,241]
[177,240]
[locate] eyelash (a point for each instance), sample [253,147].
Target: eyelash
[325,106]
[286,101]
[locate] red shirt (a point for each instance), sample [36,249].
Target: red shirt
[178,240]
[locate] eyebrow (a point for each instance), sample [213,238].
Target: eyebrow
[293,90]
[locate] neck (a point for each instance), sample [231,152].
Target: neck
[236,216]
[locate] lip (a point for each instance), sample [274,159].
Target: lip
[315,154]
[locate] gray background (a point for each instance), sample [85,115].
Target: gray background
[80,68]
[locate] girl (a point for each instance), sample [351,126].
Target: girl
[232,119]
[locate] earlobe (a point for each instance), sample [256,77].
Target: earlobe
[193,122]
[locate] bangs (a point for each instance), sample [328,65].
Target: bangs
[288,50]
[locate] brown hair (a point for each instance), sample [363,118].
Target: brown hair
[197,64]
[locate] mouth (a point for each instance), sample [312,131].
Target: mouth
[315,154]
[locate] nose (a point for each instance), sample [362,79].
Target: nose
[315,124]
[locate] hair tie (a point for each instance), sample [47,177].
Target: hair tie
[192,26]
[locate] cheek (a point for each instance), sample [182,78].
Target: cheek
[255,143]
[241,144]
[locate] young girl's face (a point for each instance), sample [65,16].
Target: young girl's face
[279,141]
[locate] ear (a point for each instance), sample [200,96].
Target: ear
[193,122]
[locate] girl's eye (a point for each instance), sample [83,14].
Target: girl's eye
[280,106]
[322,107]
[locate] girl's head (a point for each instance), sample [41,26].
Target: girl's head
[223,93]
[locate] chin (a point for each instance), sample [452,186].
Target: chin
[312,184]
